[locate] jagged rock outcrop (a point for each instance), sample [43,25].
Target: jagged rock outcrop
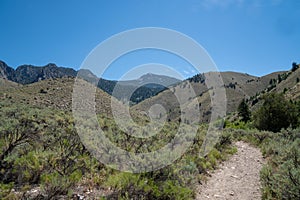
[6,72]
[26,74]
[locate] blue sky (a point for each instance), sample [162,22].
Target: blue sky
[251,36]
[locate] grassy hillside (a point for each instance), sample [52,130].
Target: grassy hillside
[237,85]
[51,93]
[6,85]
[279,82]
[294,92]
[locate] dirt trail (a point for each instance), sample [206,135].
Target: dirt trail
[237,178]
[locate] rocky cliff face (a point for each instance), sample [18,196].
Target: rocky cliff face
[6,72]
[26,74]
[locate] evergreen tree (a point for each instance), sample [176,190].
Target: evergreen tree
[243,111]
[275,113]
[279,78]
[294,66]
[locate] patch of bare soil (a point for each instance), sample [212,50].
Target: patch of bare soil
[237,178]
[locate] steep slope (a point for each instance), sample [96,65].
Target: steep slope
[237,86]
[288,81]
[294,92]
[6,72]
[6,85]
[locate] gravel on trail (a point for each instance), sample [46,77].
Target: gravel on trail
[236,178]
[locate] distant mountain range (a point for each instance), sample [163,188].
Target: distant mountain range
[147,85]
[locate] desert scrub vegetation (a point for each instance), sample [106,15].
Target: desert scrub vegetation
[279,143]
[281,175]
[176,181]
[40,149]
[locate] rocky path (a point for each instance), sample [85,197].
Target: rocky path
[237,178]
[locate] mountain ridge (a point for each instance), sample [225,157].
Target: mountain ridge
[27,74]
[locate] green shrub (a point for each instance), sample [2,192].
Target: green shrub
[54,184]
[141,186]
[238,125]
[29,167]
[5,190]
[243,111]
[281,176]
[276,113]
